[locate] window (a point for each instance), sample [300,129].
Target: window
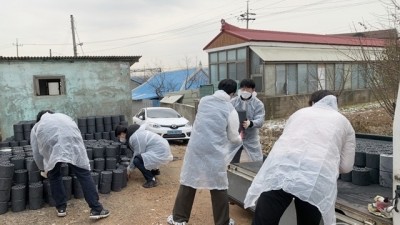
[49,85]
[302,78]
[292,79]
[281,79]
[227,64]
[222,56]
[312,78]
[339,76]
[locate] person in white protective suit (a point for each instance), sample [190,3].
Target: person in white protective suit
[56,139]
[150,151]
[255,113]
[316,145]
[208,153]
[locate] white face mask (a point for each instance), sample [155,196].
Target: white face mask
[122,140]
[245,94]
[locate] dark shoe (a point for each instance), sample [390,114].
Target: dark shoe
[61,212]
[98,215]
[150,184]
[155,172]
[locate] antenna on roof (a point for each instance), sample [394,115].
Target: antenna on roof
[246,15]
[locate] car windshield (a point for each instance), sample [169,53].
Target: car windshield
[162,113]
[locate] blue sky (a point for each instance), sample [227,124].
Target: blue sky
[166,33]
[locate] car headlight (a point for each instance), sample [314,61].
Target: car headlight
[154,125]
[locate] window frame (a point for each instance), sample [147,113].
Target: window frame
[50,78]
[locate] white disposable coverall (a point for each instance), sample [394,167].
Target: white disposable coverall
[56,138]
[255,112]
[213,143]
[154,149]
[317,144]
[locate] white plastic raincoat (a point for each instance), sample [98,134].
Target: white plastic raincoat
[255,112]
[317,143]
[154,149]
[56,138]
[214,141]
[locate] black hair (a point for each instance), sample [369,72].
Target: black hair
[228,85]
[40,114]
[120,129]
[131,130]
[318,95]
[247,83]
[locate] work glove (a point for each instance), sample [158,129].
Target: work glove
[129,171]
[246,124]
[43,174]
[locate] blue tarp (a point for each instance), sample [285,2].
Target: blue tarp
[170,81]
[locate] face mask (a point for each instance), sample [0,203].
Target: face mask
[122,140]
[245,94]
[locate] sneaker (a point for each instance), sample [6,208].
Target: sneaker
[150,183]
[98,215]
[61,212]
[155,172]
[170,220]
[231,221]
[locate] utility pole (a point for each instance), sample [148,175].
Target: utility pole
[73,35]
[17,45]
[245,16]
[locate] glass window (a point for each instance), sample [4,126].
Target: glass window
[362,79]
[222,71]
[231,55]
[241,71]
[339,70]
[312,77]
[214,74]
[302,78]
[347,76]
[330,76]
[255,63]
[292,79]
[354,76]
[281,79]
[269,80]
[241,54]
[213,57]
[321,77]
[232,71]
[222,56]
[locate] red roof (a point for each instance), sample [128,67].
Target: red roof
[290,37]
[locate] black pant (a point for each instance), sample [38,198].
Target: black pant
[236,158]
[85,180]
[272,204]
[184,202]
[138,162]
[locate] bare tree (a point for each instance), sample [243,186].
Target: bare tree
[381,66]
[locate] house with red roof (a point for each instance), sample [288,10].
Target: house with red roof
[291,64]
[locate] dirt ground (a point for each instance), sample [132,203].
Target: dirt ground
[139,206]
[133,205]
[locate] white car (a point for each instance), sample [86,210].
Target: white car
[164,121]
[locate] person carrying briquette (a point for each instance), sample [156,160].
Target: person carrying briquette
[56,139]
[247,101]
[317,144]
[150,151]
[208,153]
